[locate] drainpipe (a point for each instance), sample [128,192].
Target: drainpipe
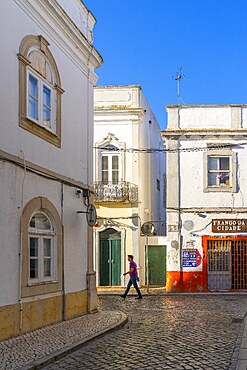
[63,258]
[20,277]
[21,235]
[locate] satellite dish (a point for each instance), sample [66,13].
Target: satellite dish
[188,225]
[147,228]
[91,215]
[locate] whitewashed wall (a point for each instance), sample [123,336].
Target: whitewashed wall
[73,160]
[192,128]
[125,112]
[133,122]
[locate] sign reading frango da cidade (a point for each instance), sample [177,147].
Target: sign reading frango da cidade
[226,225]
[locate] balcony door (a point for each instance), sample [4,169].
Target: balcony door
[110,258]
[110,169]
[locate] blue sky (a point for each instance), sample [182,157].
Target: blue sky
[145,42]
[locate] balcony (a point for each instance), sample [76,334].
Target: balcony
[121,192]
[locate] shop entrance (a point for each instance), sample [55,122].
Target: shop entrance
[226,263]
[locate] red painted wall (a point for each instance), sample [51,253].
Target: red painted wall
[182,282]
[194,281]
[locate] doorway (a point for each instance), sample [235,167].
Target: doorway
[227,263]
[110,258]
[157,265]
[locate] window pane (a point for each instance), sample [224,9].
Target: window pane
[46,97]
[33,108]
[104,163]
[212,179]
[33,87]
[47,267]
[105,170]
[105,177]
[114,177]
[46,117]
[115,169]
[46,106]
[40,221]
[47,247]
[33,247]
[32,97]
[115,162]
[213,163]
[111,146]
[224,163]
[33,269]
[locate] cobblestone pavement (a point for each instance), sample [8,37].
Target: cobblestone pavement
[167,332]
[24,351]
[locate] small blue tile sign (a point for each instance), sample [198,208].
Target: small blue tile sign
[191,258]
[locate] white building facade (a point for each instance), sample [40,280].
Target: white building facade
[206,198]
[46,157]
[129,182]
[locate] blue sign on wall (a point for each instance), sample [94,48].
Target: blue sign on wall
[191,258]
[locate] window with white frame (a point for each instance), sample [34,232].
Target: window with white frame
[42,248]
[40,101]
[39,90]
[110,167]
[220,171]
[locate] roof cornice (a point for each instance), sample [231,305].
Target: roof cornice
[217,132]
[55,22]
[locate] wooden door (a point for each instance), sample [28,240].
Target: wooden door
[157,265]
[110,262]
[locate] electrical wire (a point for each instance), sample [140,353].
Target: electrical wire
[166,150]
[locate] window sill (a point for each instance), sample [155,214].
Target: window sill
[40,131]
[220,189]
[47,287]
[34,121]
[40,283]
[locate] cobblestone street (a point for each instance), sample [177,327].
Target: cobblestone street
[166,332]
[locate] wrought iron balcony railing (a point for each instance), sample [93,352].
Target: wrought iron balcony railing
[121,192]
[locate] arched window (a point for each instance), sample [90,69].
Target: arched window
[42,248]
[40,91]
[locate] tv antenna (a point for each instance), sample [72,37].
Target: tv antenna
[179,76]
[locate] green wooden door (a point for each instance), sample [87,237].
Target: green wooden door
[115,248]
[104,262]
[110,262]
[157,265]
